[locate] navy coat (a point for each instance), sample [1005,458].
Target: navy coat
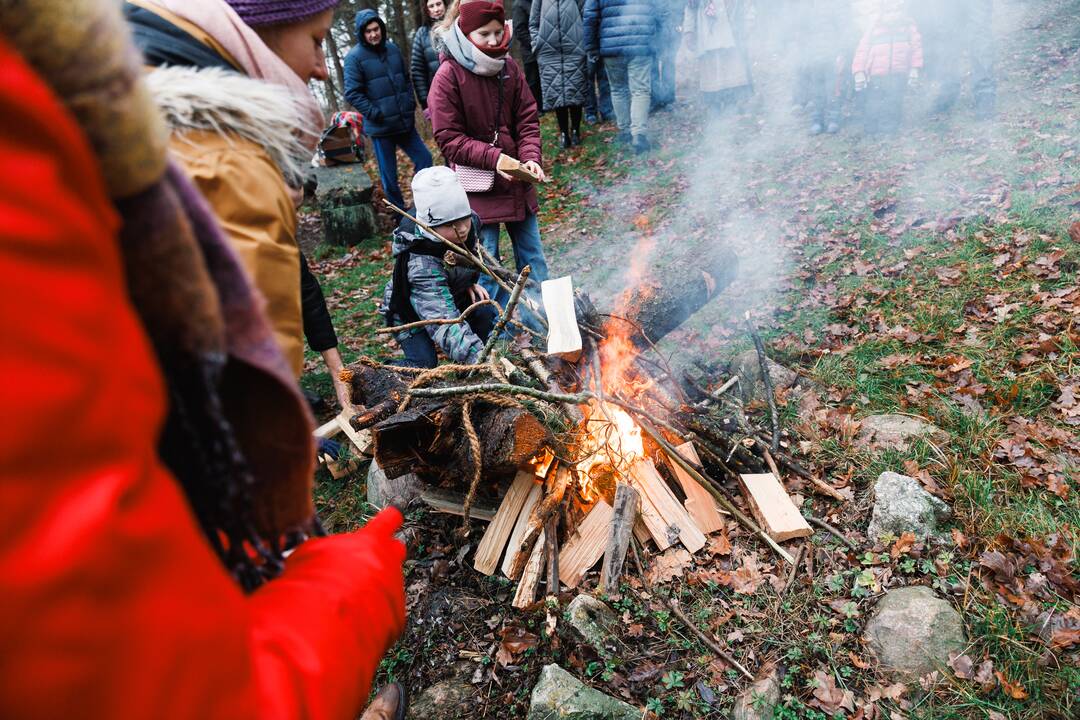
[621,27]
[377,82]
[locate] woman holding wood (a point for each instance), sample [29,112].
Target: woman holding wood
[485,120]
[428,289]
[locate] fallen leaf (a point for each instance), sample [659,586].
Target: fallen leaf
[962,665]
[748,577]
[1014,690]
[515,641]
[828,697]
[669,565]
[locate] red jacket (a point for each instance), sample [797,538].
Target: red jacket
[463,107]
[114,604]
[889,49]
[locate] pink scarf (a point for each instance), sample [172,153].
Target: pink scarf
[222,23]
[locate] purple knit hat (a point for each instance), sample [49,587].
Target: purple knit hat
[276,12]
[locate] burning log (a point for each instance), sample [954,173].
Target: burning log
[670,295]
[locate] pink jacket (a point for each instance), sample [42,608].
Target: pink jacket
[889,49]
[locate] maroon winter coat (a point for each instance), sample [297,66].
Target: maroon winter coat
[462,106]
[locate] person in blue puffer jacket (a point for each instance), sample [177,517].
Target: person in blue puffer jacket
[624,33]
[377,85]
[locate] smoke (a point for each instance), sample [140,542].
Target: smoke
[756,181]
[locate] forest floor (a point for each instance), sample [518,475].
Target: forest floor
[930,274]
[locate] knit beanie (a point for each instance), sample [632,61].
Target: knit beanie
[478,13]
[255,13]
[439,197]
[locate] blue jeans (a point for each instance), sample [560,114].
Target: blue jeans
[419,348]
[631,91]
[386,155]
[598,94]
[525,238]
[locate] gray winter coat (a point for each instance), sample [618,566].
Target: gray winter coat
[558,42]
[436,291]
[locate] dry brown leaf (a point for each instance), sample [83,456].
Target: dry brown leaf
[748,577]
[1014,690]
[670,564]
[962,665]
[828,697]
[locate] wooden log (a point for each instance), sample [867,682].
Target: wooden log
[545,510]
[674,292]
[514,552]
[525,594]
[773,509]
[699,503]
[564,337]
[624,516]
[498,531]
[551,552]
[666,519]
[453,503]
[585,546]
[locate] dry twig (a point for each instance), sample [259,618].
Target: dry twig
[830,529]
[437,321]
[493,336]
[504,389]
[770,392]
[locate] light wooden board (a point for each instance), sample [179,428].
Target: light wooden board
[699,503]
[585,547]
[772,507]
[664,515]
[530,577]
[564,338]
[498,532]
[513,547]
[360,440]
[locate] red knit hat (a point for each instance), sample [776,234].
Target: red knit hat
[478,13]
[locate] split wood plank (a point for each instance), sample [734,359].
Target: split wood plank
[624,517]
[530,577]
[452,503]
[585,547]
[640,531]
[328,429]
[360,440]
[665,517]
[491,545]
[699,503]
[521,527]
[772,507]
[564,337]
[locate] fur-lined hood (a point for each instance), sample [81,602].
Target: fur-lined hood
[229,102]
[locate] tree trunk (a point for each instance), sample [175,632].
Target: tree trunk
[335,64]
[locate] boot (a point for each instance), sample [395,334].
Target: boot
[623,137]
[389,703]
[566,140]
[642,145]
[575,138]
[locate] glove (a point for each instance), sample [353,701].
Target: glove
[913,77]
[860,81]
[329,447]
[427,115]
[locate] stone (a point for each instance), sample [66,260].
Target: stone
[759,700]
[893,432]
[751,384]
[558,695]
[447,699]
[594,621]
[912,632]
[902,505]
[344,199]
[383,491]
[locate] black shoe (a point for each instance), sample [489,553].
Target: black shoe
[565,140]
[575,138]
[642,145]
[623,137]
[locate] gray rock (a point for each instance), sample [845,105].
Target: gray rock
[382,491]
[344,199]
[893,432]
[447,699]
[912,631]
[594,621]
[902,505]
[759,700]
[751,384]
[558,695]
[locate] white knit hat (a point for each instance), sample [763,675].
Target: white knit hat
[439,197]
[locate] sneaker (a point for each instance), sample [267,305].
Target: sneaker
[816,129]
[623,137]
[575,138]
[832,128]
[642,145]
[592,119]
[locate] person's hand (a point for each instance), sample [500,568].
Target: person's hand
[478,293]
[913,77]
[427,115]
[533,168]
[860,81]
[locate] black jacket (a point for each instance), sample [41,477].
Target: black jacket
[424,63]
[377,82]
